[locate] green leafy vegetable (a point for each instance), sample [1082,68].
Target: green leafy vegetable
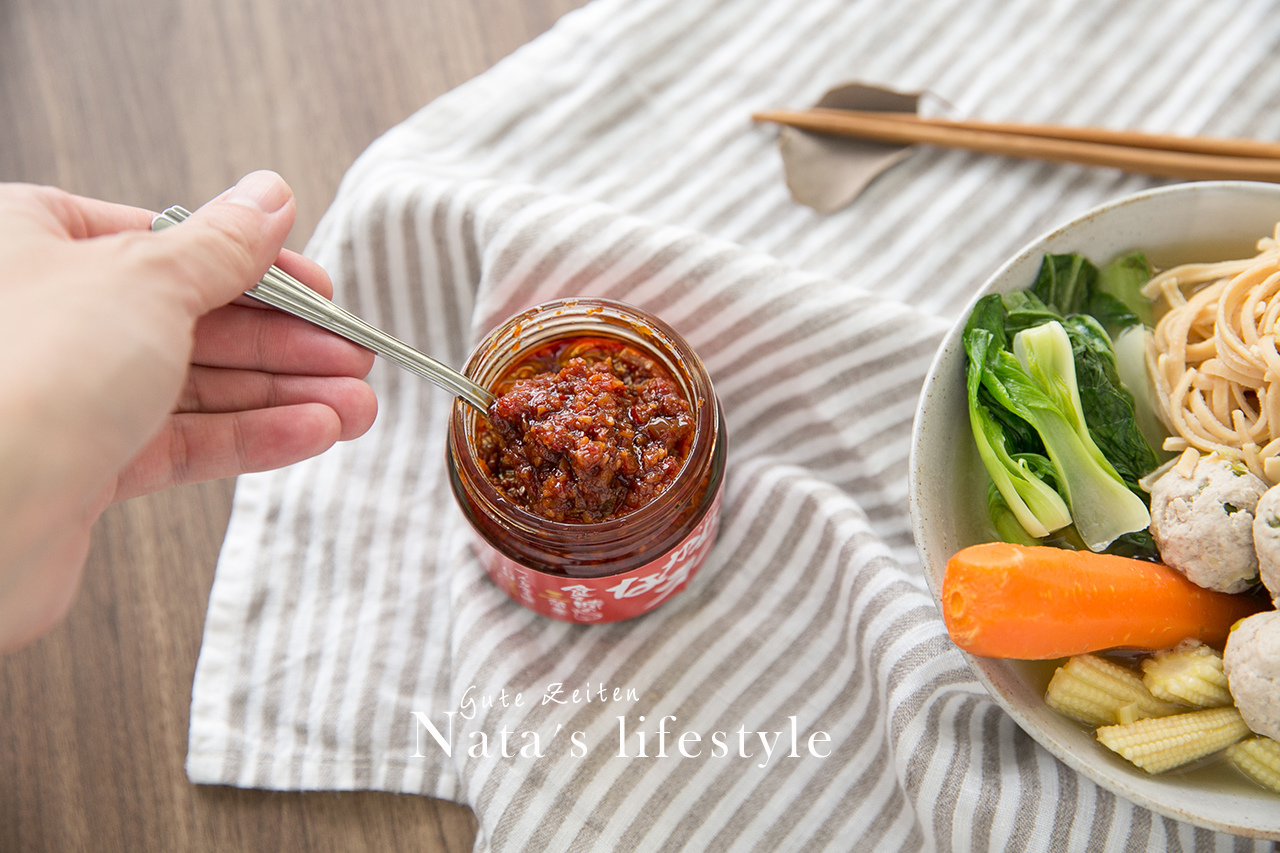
[1131,365]
[1008,528]
[1122,279]
[1038,386]
[1025,310]
[1050,413]
[1036,505]
[1065,283]
[1137,545]
[1111,313]
[1108,407]
[1020,437]
[992,315]
[1111,411]
[1101,503]
[1070,284]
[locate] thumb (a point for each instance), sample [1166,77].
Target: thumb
[226,246]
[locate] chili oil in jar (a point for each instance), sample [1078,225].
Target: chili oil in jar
[594,485]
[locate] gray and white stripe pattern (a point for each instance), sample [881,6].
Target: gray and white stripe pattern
[614,156]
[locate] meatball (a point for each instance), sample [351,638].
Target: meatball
[1266,540]
[1252,662]
[1204,523]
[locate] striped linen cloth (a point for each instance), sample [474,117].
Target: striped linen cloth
[614,156]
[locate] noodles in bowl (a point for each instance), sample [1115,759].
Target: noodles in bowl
[1215,361]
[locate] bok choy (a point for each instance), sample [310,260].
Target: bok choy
[1055,427]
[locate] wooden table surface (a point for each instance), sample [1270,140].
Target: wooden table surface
[169,102]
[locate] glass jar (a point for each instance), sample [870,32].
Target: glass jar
[599,571]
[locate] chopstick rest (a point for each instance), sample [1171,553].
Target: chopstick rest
[826,172]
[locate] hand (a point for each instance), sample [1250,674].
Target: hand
[128,367]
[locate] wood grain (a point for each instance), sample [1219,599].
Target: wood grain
[157,103]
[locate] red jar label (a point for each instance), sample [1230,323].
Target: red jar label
[611,598]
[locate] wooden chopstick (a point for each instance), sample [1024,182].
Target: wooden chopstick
[1129,138]
[1195,158]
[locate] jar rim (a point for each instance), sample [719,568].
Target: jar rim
[555,320]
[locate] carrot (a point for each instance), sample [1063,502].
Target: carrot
[1036,603]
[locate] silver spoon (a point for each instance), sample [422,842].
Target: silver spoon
[281,290]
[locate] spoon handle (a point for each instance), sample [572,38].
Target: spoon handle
[281,290]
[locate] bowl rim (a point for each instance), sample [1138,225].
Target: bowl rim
[1118,779]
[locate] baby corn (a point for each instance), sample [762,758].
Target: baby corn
[1098,692]
[1259,758]
[1161,744]
[1190,673]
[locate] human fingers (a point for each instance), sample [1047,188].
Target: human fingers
[214,390]
[194,447]
[306,271]
[225,247]
[245,338]
[80,218]
[69,215]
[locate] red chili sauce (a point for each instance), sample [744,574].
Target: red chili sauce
[585,430]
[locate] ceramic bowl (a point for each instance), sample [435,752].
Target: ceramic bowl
[1175,224]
